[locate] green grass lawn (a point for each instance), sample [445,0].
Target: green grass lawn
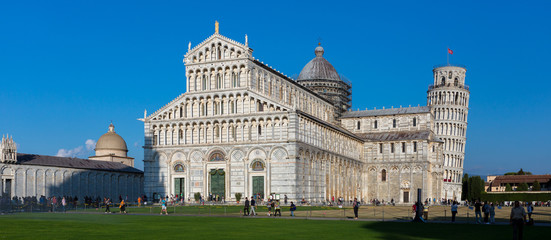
[115,226]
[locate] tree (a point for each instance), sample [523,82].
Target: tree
[197,196]
[475,187]
[522,187]
[520,172]
[238,197]
[465,186]
[508,188]
[536,186]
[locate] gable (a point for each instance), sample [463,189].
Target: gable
[216,47]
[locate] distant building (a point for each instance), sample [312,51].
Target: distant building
[498,183]
[110,175]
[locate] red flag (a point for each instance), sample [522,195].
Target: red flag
[450,51]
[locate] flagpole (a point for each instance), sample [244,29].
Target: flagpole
[448,56]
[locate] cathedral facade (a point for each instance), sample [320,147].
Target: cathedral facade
[243,127]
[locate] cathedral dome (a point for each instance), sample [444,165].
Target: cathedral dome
[111,141]
[318,68]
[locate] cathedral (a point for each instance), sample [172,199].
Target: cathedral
[244,127]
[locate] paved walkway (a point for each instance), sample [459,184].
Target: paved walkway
[289,217]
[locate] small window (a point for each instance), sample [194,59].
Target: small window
[433,148]
[383,175]
[358,125]
[414,122]
[394,123]
[259,130]
[450,75]
[456,82]
[403,147]
[375,124]
[443,81]
[414,146]
[392,147]
[380,148]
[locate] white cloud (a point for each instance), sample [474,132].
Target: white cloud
[80,151]
[90,144]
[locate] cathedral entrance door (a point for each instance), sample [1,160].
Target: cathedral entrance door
[217,183]
[179,184]
[7,188]
[406,196]
[258,185]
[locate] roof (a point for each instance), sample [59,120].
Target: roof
[521,179]
[384,112]
[78,163]
[318,68]
[398,136]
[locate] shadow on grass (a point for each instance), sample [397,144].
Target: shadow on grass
[410,230]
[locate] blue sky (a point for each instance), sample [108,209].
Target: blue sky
[67,69]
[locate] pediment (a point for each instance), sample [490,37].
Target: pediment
[223,48]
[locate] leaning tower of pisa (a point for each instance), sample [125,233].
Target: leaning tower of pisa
[448,98]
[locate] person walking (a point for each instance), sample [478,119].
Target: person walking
[293,208]
[356,206]
[253,206]
[246,208]
[54,203]
[478,212]
[277,208]
[426,212]
[107,203]
[529,209]
[269,205]
[492,213]
[139,201]
[486,209]
[122,206]
[163,206]
[517,219]
[64,204]
[454,210]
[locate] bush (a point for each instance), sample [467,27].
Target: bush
[512,196]
[238,197]
[197,196]
[508,188]
[536,186]
[522,187]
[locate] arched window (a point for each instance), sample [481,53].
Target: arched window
[443,81]
[218,81]
[456,82]
[259,130]
[179,168]
[450,75]
[204,82]
[383,175]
